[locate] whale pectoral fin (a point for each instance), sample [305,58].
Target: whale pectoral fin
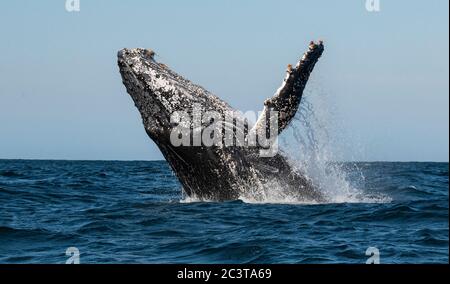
[287,99]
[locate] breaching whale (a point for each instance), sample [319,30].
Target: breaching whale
[217,172]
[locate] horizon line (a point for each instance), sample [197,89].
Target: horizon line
[163,160]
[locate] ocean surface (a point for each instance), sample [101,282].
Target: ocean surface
[134,212]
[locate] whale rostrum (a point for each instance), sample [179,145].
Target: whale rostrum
[218,172]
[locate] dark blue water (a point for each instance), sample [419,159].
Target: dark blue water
[130,212]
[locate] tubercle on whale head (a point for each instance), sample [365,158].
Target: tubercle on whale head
[126,53]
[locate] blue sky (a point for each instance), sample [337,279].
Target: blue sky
[385,74]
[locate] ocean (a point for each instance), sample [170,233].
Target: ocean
[135,212]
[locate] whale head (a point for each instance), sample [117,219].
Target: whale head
[158,93]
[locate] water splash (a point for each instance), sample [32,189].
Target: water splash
[312,145]
[313,149]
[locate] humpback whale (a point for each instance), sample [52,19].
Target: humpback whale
[217,172]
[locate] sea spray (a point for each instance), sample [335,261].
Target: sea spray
[314,148]
[313,144]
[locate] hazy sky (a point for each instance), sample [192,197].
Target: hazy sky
[384,74]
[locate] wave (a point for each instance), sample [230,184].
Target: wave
[277,195]
[10,174]
[24,232]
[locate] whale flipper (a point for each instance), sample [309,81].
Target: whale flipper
[287,98]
